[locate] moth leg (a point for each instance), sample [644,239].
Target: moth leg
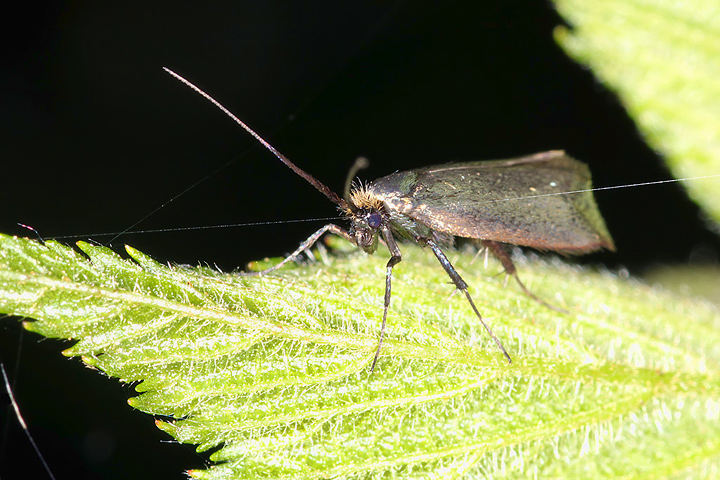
[396,257]
[501,254]
[462,286]
[483,250]
[304,246]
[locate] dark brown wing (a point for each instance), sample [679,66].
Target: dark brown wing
[507,201]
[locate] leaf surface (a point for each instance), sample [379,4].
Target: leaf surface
[275,370]
[662,58]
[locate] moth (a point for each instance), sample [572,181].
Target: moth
[519,201]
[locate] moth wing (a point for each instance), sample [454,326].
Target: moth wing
[515,201]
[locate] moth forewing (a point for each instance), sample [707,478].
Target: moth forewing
[520,201]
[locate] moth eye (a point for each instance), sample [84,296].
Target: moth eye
[374,220]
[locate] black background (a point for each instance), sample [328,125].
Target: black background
[95,136]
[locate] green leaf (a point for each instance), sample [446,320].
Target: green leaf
[662,57]
[275,370]
[695,280]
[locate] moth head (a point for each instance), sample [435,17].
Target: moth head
[367,217]
[365,227]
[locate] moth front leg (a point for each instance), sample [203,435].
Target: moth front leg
[312,239]
[396,257]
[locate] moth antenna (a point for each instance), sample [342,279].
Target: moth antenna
[32,230]
[324,189]
[359,164]
[611,187]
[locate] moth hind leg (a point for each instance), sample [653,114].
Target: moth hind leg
[499,252]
